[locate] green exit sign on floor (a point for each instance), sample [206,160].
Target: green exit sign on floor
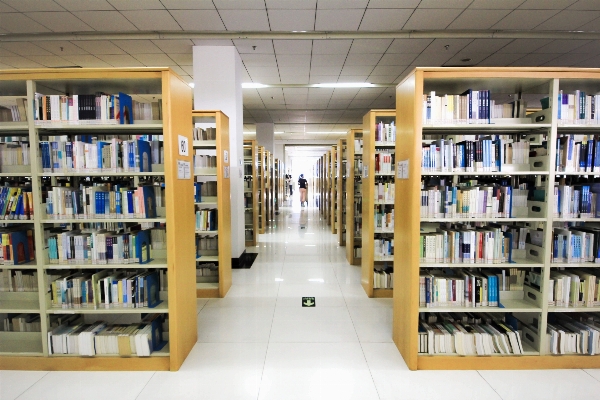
[308,302]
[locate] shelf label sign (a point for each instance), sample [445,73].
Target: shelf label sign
[226,172]
[182,145]
[365,171]
[308,302]
[402,170]
[225,156]
[183,170]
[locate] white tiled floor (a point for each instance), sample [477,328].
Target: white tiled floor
[259,343]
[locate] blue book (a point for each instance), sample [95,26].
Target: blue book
[19,244]
[125,109]
[130,201]
[559,102]
[145,154]
[152,289]
[142,246]
[149,201]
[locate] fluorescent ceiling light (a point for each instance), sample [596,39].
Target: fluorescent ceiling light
[344,85]
[252,85]
[191,84]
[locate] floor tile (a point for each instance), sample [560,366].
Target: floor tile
[13,383]
[323,274]
[312,331]
[122,385]
[316,371]
[254,290]
[243,329]
[311,313]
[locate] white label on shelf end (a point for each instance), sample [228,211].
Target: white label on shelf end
[402,170]
[183,170]
[225,156]
[182,145]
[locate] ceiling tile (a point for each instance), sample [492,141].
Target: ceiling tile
[432,59]
[370,45]
[382,79]
[154,60]
[198,20]
[356,70]
[569,20]
[178,70]
[287,71]
[7,53]
[431,18]
[245,20]
[534,60]
[25,49]
[454,46]
[586,5]
[368,93]
[212,42]
[33,5]
[266,79]
[592,47]
[478,19]
[291,60]
[338,20]
[524,19]
[51,61]
[20,62]
[341,46]
[495,4]
[188,4]
[321,60]
[295,91]
[105,20]
[344,93]
[340,4]
[326,70]
[546,4]
[262,71]
[563,46]
[189,69]
[182,59]
[591,26]
[408,45]
[397,59]
[252,46]
[152,20]
[120,60]
[87,5]
[99,47]
[5,8]
[59,21]
[20,23]
[137,5]
[389,70]
[240,5]
[259,60]
[133,46]
[590,63]
[291,4]
[444,4]
[569,60]
[295,80]
[524,46]
[292,20]
[486,45]
[363,59]
[293,46]
[394,3]
[352,78]
[61,47]
[500,60]
[174,45]
[379,19]
[473,57]
[5,66]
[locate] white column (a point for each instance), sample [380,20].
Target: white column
[265,135]
[218,86]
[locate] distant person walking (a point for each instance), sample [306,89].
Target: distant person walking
[302,185]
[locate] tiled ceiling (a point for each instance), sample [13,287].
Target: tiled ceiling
[356,56]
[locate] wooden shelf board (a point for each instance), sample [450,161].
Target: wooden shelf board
[383,144]
[513,305]
[573,309]
[29,265]
[575,265]
[207,233]
[112,220]
[207,259]
[163,307]
[164,352]
[488,219]
[515,263]
[19,306]
[17,127]
[16,221]
[507,362]
[578,173]
[109,363]
[383,293]
[204,143]
[474,128]
[576,219]
[101,173]
[208,290]
[483,173]
[15,174]
[157,263]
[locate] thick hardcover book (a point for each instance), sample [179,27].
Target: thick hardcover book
[125,109]
[145,155]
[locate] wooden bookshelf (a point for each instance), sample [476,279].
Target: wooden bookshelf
[332,178]
[341,194]
[262,196]
[207,287]
[270,187]
[353,192]
[542,126]
[369,179]
[251,198]
[29,350]
[321,183]
[326,187]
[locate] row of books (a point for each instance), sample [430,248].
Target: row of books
[385,133]
[483,155]
[206,220]
[383,278]
[115,155]
[384,163]
[383,247]
[577,244]
[578,154]
[205,161]
[574,288]
[248,201]
[16,203]
[100,338]
[485,201]
[204,189]
[357,251]
[578,108]
[22,323]
[14,153]
[14,113]
[207,269]
[206,134]
[461,334]
[103,201]
[385,191]
[16,246]
[16,280]
[106,289]
[384,218]
[577,201]
[470,107]
[98,247]
[577,333]
[358,146]
[358,187]
[358,166]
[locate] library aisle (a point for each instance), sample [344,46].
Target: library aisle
[260,343]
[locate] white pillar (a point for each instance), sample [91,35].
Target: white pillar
[265,135]
[218,86]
